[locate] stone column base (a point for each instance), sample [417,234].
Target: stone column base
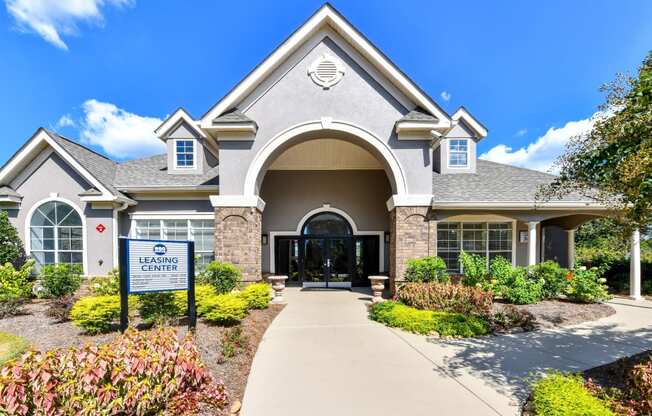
[237,239]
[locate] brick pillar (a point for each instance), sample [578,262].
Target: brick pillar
[411,237]
[237,239]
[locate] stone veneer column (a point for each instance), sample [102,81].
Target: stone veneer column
[237,239]
[410,237]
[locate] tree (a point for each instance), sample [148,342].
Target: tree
[613,162]
[11,247]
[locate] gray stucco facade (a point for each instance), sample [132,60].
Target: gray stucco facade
[233,196]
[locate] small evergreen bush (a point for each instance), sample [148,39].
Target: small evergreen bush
[96,314]
[397,315]
[224,277]
[15,283]
[515,284]
[226,309]
[202,292]
[11,246]
[158,307]
[554,278]
[475,272]
[106,285]
[426,269]
[60,279]
[558,394]
[257,295]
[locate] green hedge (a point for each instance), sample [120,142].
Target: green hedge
[558,394]
[227,309]
[257,295]
[426,322]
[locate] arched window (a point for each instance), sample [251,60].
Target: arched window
[327,224]
[55,232]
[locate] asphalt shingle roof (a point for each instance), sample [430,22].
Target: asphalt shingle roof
[234,116]
[493,182]
[153,171]
[417,115]
[8,191]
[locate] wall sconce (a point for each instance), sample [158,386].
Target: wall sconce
[387,239]
[264,239]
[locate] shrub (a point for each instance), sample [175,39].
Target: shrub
[12,307]
[426,269]
[14,283]
[136,374]
[514,284]
[202,292]
[59,308]
[227,309]
[158,307]
[475,271]
[60,279]
[11,246]
[586,286]
[234,342]
[426,322]
[95,314]
[446,297]
[11,346]
[639,387]
[558,394]
[106,285]
[509,317]
[224,277]
[257,295]
[553,276]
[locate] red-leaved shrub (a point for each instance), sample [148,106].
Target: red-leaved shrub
[136,374]
[446,297]
[639,386]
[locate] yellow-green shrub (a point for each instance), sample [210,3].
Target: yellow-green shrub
[95,314]
[201,293]
[225,309]
[257,295]
[560,394]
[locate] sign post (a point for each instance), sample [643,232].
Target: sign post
[156,266]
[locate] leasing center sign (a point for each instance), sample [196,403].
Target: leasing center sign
[155,266]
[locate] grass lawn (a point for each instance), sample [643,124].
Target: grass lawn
[11,346]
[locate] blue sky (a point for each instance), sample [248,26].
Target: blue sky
[106,71]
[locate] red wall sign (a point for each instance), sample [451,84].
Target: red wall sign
[100,228]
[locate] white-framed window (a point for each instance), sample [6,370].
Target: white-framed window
[201,231]
[56,234]
[488,239]
[184,154]
[458,153]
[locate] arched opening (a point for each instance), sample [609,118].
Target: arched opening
[325,216]
[56,234]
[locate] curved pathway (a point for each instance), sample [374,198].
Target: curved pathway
[322,356]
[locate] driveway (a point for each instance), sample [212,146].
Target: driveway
[322,356]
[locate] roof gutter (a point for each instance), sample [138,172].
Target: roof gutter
[516,205]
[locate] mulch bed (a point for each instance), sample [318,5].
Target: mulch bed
[44,334]
[613,374]
[556,313]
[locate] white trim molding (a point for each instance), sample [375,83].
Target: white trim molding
[409,200]
[56,198]
[516,205]
[326,15]
[235,201]
[257,165]
[469,120]
[174,120]
[306,217]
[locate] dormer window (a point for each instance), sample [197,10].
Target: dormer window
[184,157]
[458,153]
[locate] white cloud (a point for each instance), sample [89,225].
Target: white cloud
[118,132]
[52,18]
[445,95]
[65,121]
[521,133]
[542,153]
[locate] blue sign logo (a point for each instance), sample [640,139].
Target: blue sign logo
[160,249]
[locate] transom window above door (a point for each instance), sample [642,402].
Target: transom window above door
[327,224]
[56,234]
[458,153]
[184,153]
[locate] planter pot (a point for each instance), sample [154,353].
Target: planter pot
[278,285]
[377,287]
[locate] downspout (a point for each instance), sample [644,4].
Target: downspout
[116,235]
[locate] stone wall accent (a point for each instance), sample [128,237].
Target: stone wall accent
[413,235]
[237,239]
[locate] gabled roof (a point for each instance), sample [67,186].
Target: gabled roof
[417,115]
[233,116]
[493,182]
[6,191]
[179,116]
[327,15]
[151,172]
[462,114]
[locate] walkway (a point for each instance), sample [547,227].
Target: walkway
[322,356]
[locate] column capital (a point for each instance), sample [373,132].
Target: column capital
[533,224]
[237,201]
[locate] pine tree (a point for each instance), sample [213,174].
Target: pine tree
[11,247]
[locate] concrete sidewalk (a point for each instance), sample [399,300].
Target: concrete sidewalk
[322,356]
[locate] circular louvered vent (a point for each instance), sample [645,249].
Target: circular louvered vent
[326,71]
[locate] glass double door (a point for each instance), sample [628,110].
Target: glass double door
[327,262]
